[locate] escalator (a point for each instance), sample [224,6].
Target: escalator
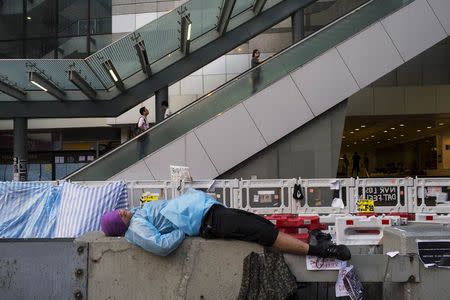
[256,109]
[156,55]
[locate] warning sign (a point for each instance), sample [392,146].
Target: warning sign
[366,206]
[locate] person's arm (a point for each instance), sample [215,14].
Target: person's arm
[143,234]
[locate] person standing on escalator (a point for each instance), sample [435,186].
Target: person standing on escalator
[256,77]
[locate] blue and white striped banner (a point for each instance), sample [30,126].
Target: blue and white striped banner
[28,209]
[82,206]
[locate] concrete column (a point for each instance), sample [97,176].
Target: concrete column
[298,28]
[20,149]
[160,96]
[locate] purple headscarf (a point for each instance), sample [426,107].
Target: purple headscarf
[112,224]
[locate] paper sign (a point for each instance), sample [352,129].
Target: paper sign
[434,253]
[314,263]
[341,291]
[366,206]
[180,173]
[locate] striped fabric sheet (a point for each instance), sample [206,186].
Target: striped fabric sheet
[28,209]
[82,206]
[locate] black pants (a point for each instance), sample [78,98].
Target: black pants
[229,223]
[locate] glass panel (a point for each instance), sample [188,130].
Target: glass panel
[241,6]
[41,19]
[37,48]
[101,11]
[238,90]
[12,20]
[72,17]
[75,47]
[11,49]
[100,41]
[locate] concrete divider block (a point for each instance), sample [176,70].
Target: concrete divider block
[199,269]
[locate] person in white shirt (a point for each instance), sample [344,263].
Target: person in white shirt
[142,123]
[166,109]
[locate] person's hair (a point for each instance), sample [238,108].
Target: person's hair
[165,104]
[254,52]
[142,110]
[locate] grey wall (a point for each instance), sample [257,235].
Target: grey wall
[311,151]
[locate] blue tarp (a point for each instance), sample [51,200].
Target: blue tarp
[46,210]
[28,209]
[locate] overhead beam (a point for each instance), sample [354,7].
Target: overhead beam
[79,81]
[46,85]
[186,34]
[113,74]
[173,73]
[258,6]
[141,52]
[12,91]
[225,15]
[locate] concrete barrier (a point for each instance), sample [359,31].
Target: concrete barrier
[199,269]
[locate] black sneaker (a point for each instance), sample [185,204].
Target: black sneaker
[340,252]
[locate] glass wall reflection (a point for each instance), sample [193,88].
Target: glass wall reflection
[53,28]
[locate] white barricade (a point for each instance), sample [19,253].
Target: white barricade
[324,196]
[432,217]
[331,218]
[430,195]
[165,189]
[356,230]
[265,196]
[222,190]
[389,194]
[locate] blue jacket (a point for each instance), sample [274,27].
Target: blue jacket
[160,226]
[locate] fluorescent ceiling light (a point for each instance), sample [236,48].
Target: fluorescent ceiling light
[189,29]
[38,85]
[46,85]
[113,75]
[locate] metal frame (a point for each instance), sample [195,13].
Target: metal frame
[76,79]
[258,6]
[141,51]
[298,208]
[12,91]
[185,34]
[175,72]
[225,15]
[46,85]
[113,74]
[418,190]
[285,185]
[223,190]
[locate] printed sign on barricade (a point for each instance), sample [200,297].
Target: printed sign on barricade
[221,190]
[323,196]
[266,196]
[430,195]
[155,189]
[389,195]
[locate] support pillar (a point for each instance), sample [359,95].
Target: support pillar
[298,25]
[160,96]
[20,149]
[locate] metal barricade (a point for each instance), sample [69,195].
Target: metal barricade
[164,189]
[389,194]
[430,195]
[324,196]
[221,190]
[265,196]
